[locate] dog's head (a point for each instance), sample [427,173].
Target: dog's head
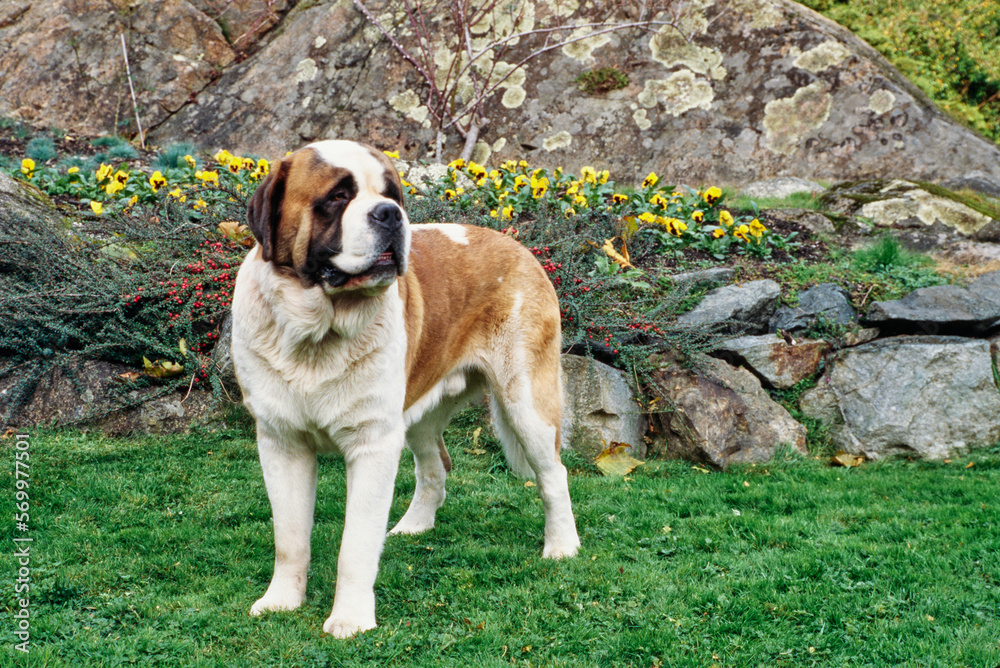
[332,213]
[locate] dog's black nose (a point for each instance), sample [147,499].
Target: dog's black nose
[387,214]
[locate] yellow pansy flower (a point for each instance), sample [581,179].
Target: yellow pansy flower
[475,170]
[190,161]
[757,228]
[96,207]
[73,170]
[178,195]
[588,175]
[508,212]
[539,187]
[697,216]
[726,218]
[712,194]
[223,157]
[157,181]
[103,172]
[457,163]
[619,198]
[27,167]
[211,177]
[651,180]
[718,233]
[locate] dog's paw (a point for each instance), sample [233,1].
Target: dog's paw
[410,526]
[560,550]
[276,601]
[345,627]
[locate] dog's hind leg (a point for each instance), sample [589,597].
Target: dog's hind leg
[530,439]
[431,463]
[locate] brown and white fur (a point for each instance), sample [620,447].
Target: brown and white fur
[354,333]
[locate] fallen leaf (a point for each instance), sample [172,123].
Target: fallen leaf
[182,345]
[8,432]
[615,460]
[128,377]
[161,368]
[847,460]
[528,483]
[970,465]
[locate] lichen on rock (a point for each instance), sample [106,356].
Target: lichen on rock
[557,141]
[822,57]
[881,101]
[678,93]
[788,120]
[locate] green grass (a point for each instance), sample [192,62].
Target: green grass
[803,200]
[149,551]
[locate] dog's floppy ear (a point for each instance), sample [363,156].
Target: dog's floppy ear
[264,210]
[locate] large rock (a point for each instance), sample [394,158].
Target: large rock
[600,408]
[943,309]
[781,187]
[743,308]
[928,396]
[64,67]
[826,304]
[779,364]
[764,88]
[93,394]
[686,280]
[910,206]
[718,414]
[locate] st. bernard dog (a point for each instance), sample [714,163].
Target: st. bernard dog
[355,333]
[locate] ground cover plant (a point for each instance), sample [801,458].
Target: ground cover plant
[149,551]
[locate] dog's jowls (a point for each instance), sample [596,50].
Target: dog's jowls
[354,333]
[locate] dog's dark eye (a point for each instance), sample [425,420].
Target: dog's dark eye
[338,195]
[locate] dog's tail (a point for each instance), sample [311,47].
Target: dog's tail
[512,448]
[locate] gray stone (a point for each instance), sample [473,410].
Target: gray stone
[942,309]
[688,279]
[600,408]
[857,337]
[91,397]
[977,180]
[812,220]
[906,205]
[744,308]
[717,414]
[779,364]
[781,187]
[826,303]
[930,397]
[222,358]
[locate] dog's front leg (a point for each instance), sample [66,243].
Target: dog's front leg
[290,478]
[371,477]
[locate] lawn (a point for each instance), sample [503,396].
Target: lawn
[149,551]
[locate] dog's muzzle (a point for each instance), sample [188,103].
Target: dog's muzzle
[386,222]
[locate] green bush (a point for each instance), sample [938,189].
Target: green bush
[41,149]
